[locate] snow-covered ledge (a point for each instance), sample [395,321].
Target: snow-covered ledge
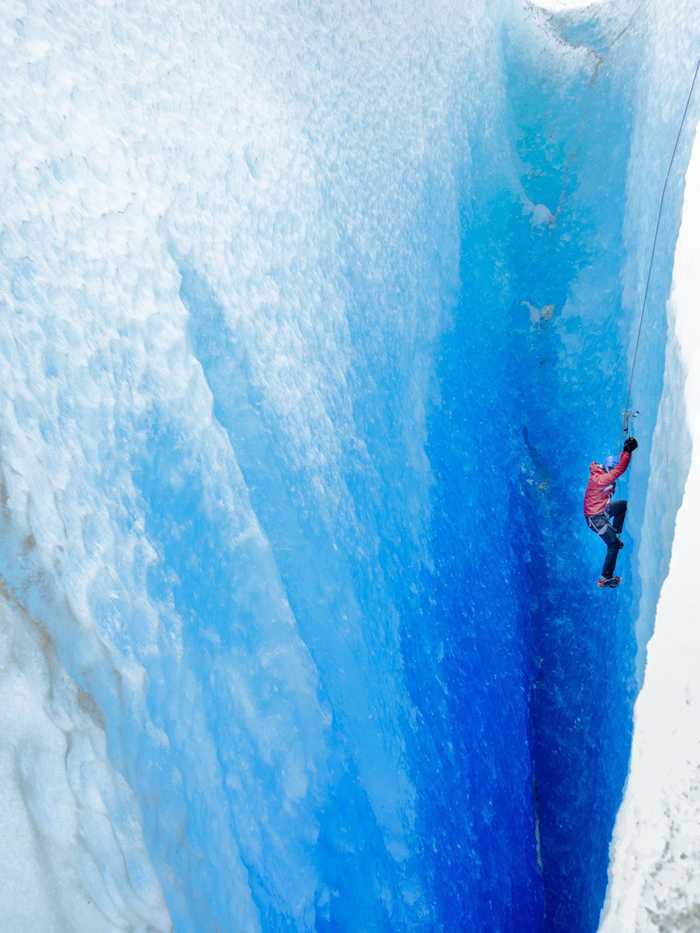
[654,877]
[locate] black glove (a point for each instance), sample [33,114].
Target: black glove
[630,445]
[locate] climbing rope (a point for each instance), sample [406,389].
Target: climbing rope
[628,414]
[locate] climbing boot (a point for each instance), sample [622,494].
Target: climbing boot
[609,582]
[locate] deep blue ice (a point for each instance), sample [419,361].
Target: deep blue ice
[312,347]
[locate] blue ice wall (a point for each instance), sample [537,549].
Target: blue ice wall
[571,132]
[312,323]
[577,132]
[242,309]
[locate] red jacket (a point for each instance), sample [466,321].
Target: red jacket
[601,485]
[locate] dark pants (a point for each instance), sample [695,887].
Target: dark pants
[608,526]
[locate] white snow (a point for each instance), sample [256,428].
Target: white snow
[559,5]
[72,856]
[654,874]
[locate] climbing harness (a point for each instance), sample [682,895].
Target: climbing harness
[600,529]
[629,414]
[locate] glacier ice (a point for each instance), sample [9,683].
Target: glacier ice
[220,305]
[73,855]
[656,847]
[301,314]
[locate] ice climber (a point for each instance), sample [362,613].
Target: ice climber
[603,515]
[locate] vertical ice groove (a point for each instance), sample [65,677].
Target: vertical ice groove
[651,881]
[656,847]
[202,532]
[284,296]
[666,63]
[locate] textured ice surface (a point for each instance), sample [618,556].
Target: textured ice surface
[73,856]
[667,59]
[300,312]
[655,851]
[222,283]
[654,882]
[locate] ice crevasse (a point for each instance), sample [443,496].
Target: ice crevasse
[654,878]
[311,319]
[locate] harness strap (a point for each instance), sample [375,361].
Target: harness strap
[594,527]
